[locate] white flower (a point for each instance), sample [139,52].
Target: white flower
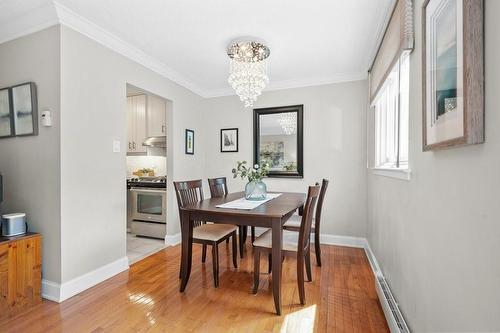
[256,166]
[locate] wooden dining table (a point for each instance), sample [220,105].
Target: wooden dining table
[271,214]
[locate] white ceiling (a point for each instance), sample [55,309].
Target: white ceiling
[312,42]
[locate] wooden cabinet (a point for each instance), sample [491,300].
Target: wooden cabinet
[136,123]
[146,116]
[156,116]
[20,273]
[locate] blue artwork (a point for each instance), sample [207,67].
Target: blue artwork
[446,59]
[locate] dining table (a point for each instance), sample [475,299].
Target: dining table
[271,214]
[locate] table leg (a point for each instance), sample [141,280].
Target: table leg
[277,234]
[186,247]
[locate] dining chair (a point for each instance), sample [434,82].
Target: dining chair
[291,246]
[190,192]
[294,222]
[218,189]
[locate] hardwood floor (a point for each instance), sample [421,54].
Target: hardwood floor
[341,298]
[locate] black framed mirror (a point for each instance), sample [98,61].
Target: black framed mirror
[278,140]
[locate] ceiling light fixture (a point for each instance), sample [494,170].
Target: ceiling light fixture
[248,69]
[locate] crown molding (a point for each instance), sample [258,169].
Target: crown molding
[27,23]
[296,83]
[82,25]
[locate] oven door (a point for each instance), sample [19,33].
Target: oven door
[149,205]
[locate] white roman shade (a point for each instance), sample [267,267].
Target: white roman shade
[398,38]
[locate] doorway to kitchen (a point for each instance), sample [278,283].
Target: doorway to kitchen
[146,172]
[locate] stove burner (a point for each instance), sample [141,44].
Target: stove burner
[147,182]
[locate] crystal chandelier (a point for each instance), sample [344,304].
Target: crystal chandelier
[288,122]
[248,69]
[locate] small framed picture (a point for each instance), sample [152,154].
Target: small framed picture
[25,110]
[6,119]
[189,142]
[229,140]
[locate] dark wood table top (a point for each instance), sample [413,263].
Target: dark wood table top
[277,207]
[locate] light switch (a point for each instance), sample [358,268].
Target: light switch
[116,146]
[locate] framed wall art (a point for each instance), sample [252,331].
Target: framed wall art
[6,118]
[453,73]
[189,144]
[229,140]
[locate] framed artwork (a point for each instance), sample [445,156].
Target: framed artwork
[229,140]
[189,142]
[6,118]
[453,73]
[278,140]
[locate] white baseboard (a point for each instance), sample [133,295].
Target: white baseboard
[51,290]
[359,242]
[350,241]
[372,259]
[172,240]
[59,292]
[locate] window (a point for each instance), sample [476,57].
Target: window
[391,107]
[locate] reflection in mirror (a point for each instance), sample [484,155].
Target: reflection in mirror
[278,140]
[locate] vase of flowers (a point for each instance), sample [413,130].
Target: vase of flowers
[255,189]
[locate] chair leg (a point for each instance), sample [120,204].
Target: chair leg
[256,270]
[308,265]
[317,248]
[203,253]
[253,235]
[242,240]
[235,250]
[300,278]
[245,233]
[215,261]
[227,240]
[270,263]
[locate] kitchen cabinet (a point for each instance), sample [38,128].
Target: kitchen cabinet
[20,273]
[157,111]
[136,123]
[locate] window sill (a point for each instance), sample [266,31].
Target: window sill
[403,174]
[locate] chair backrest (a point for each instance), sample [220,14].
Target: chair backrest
[319,206]
[218,187]
[306,224]
[189,192]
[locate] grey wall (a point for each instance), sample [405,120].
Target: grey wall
[30,165]
[437,235]
[93,102]
[334,147]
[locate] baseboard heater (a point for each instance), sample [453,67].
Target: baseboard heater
[392,313]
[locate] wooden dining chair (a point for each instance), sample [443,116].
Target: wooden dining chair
[189,192]
[294,222]
[218,189]
[291,246]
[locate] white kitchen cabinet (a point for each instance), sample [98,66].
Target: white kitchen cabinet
[156,116]
[136,123]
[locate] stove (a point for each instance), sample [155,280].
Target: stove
[147,206]
[151,182]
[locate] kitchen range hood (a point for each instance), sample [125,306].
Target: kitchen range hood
[155,142]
